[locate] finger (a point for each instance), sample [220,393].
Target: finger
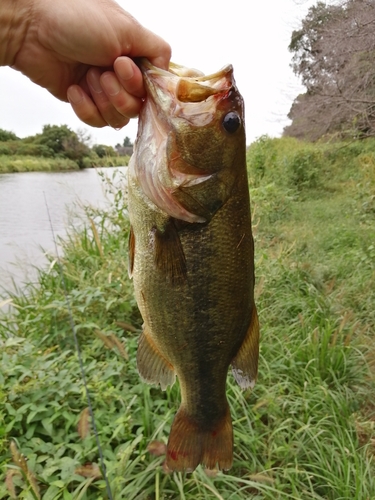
[144,43]
[84,107]
[123,102]
[155,49]
[106,109]
[130,76]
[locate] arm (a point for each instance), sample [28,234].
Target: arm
[13,27]
[81,51]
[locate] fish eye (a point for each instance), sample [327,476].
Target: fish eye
[231,122]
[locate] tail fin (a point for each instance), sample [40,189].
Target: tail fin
[189,445]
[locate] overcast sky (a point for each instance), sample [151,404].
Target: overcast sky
[204,34]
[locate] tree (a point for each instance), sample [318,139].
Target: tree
[60,140]
[127,142]
[333,54]
[5,135]
[102,150]
[55,137]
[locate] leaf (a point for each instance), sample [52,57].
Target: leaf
[107,341]
[58,483]
[5,302]
[89,470]
[157,448]
[111,341]
[47,424]
[31,415]
[83,427]
[119,345]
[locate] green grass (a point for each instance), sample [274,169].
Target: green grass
[14,163]
[307,429]
[22,163]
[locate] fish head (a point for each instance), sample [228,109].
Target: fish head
[191,140]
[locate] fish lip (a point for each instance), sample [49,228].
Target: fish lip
[219,82]
[146,66]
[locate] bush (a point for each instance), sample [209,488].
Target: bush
[102,150]
[304,168]
[260,156]
[32,149]
[5,135]
[9,147]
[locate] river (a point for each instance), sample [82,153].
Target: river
[25,231]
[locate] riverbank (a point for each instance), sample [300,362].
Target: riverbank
[20,163]
[306,432]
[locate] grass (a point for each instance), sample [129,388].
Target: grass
[22,163]
[307,430]
[14,163]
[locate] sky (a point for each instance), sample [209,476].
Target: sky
[251,35]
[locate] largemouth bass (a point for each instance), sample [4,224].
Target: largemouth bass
[191,254]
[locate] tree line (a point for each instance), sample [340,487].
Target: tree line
[333,53]
[59,141]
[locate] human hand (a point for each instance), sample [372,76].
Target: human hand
[81,50]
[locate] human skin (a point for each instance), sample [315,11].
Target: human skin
[82,52]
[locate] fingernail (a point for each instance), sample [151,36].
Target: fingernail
[93,79]
[110,84]
[74,95]
[125,71]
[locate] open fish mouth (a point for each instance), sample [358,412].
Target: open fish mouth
[180,86]
[177,99]
[190,85]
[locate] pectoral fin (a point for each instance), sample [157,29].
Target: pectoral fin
[152,366]
[168,253]
[245,364]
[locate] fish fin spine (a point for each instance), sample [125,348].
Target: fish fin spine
[245,363]
[152,365]
[189,445]
[131,249]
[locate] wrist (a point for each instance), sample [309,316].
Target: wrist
[14,20]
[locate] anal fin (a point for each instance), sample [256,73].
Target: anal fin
[245,364]
[152,366]
[190,445]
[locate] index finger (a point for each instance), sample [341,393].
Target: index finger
[130,76]
[145,43]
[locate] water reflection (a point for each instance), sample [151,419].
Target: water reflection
[24,223]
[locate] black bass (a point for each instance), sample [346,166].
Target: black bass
[191,254]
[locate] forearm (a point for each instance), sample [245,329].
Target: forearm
[14,19]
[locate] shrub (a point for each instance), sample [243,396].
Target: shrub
[304,168]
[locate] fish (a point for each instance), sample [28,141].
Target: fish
[191,254]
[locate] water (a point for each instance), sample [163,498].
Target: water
[24,224]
